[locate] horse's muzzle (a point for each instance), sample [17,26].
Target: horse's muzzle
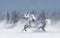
[23,17]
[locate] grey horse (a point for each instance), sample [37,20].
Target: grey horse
[31,18]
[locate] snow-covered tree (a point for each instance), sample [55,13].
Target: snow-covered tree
[14,16]
[8,16]
[42,16]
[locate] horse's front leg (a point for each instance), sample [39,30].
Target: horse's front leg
[24,29]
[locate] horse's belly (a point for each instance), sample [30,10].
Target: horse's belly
[34,25]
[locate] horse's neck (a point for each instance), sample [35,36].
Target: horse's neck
[30,18]
[33,17]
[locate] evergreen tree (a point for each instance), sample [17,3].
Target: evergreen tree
[14,16]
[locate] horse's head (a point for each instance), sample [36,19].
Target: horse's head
[29,17]
[26,16]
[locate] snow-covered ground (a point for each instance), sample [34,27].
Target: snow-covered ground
[4,27]
[29,35]
[52,31]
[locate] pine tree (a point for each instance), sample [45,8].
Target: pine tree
[42,16]
[8,16]
[14,16]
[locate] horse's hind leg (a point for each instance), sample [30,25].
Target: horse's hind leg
[43,27]
[38,27]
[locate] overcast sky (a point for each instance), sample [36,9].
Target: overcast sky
[9,5]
